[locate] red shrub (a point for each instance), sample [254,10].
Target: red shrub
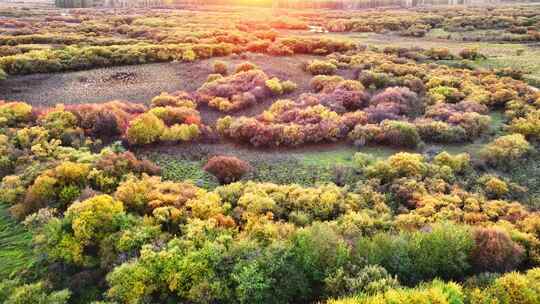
[105,120]
[406,100]
[227,169]
[495,251]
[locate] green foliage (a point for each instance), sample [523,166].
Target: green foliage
[15,253]
[177,170]
[434,292]
[321,251]
[302,227]
[372,279]
[38,293]
[419,256]
[85,225]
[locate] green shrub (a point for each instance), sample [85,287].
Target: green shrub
[36,293]
[419,256]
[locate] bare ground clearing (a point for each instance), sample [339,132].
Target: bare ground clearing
[140,83]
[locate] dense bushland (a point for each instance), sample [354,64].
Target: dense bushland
[109,226]
[395,101]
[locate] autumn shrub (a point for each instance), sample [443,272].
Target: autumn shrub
[494,186]
[177,99]
[439,131]
[510,288]
[59,122]
[176,115]
[238,91]
[506,150]
[86,224]
[213,77]
[56,187]
[107,120]
[145,129]
[416,30]
[12,113]
[325,82]
[376,80]
[245,66]
[437,290]
[152,195]
[495,251]
[403,99]
[227,169]
[288,86]
[389,132]
[528,126]
[319,67]
[471,53]
[181,132]
[439,54]
[220,67]
[274,86]
[112,167]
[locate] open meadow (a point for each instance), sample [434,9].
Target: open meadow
[240,154]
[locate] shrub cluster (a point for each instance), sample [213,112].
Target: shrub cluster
[241,90]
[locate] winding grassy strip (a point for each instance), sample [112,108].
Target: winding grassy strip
[15,240]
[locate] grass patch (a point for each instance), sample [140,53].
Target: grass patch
[305,174]
[15,246]
[176,169]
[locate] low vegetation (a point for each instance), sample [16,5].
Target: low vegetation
[428,193]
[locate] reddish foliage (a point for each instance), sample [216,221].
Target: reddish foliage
[107,119]
[495,251]
[227,169]
[119,164]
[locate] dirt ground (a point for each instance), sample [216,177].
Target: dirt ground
[140,83]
